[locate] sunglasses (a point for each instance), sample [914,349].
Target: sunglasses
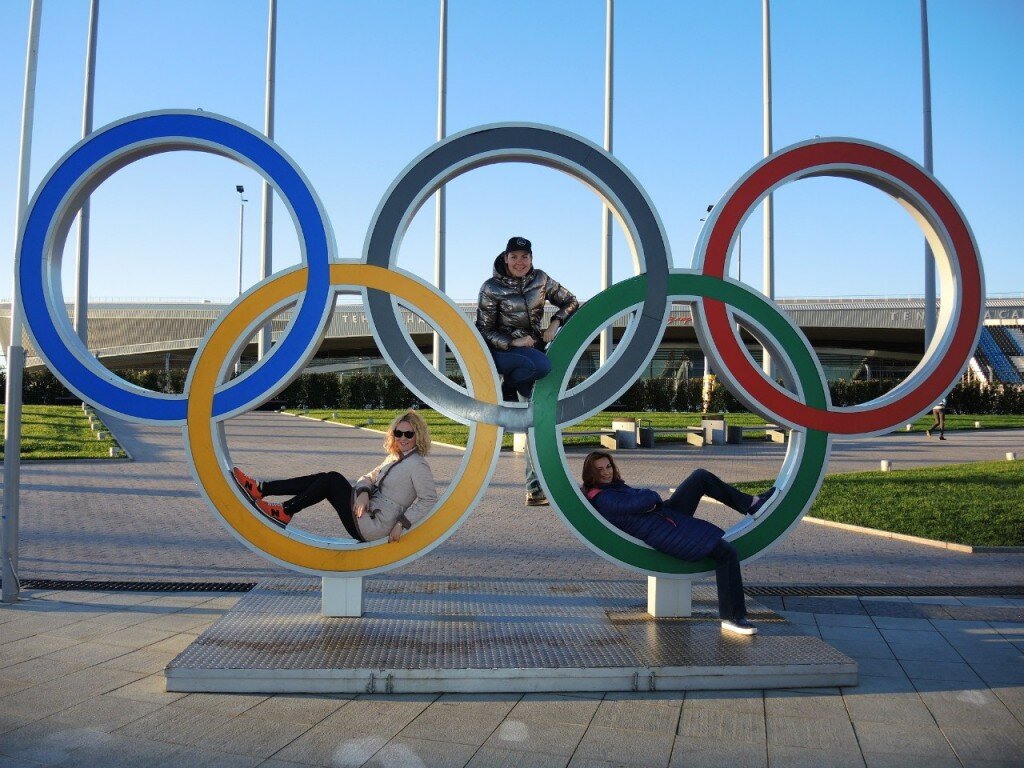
[399,433]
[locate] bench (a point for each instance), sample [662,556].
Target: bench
[693,435]
[773,432]
[610,438]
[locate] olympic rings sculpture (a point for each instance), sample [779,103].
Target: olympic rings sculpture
[719,305]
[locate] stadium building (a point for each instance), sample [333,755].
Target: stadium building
[855,338]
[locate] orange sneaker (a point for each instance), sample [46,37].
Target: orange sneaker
[274,513]
[250,485]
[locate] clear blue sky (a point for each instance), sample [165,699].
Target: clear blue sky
[356,91]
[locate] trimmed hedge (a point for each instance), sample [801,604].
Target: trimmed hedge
[386,391]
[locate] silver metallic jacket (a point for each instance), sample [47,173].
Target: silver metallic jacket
[512,307]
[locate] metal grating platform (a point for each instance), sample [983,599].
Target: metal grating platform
[421,636]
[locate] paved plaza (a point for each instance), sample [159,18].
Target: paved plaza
[81,672]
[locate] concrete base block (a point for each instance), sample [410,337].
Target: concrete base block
[669,598]
[341,596]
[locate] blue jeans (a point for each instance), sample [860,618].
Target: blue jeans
[701,483]
[520,367]
[731,605]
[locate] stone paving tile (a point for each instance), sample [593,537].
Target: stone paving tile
[421,752]
[803,757]
[938,652]
[15,652]
[723,727]
[488,757]
[627,747]
[835,734]
[902,738]
[175,725]
[956,704]
[862,650]
[461,718]
[222,703]
[358,729]
[688,753]
[890,760]
[299,708]
[40,670]
[88,653]
[135,636]
[727,701]
[843,620]
[151,688]
[822,703]
[557,707]
[971,744]
[106,713]
[51,742]
[802,618]
[899,622]
[146,661]
[851,634]
[639,713]
[254,736]
[552,738]
[941,670]
[869,667]
[1012,698]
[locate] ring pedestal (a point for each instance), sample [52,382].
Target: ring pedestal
[429,635]
[341,596]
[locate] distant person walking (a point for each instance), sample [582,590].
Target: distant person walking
[939,412]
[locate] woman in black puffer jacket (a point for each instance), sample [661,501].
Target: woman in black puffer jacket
[510,316]
[670,527]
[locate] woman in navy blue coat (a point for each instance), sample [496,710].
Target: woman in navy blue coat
[670,527]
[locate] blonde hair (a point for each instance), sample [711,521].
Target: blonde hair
[419,426]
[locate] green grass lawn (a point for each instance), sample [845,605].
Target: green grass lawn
[58,432]
[978,504]
[446,430]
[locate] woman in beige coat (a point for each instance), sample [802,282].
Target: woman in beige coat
[384,502]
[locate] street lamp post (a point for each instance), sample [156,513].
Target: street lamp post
[241,231]
[241,243]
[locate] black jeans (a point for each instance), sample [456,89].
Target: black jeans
[687,496]
[731,606]
[703,483]
[311,489]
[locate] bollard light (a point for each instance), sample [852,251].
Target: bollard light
[886,465]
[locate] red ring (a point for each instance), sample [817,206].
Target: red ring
[861,419]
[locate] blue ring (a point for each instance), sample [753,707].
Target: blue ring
[147,135]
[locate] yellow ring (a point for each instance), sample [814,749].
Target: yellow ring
[211,472]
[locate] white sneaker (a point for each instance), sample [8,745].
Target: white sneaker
[740,627]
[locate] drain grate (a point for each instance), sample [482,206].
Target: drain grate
[864,590]
[139,586]
[375,585]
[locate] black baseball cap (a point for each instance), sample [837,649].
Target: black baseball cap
[518,244]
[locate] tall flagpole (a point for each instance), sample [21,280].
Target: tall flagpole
[82,276]
[15,350]
[265,338]
[606,214]
[769,221]
[929,259]
[439,196]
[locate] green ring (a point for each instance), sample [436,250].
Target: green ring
[796,494]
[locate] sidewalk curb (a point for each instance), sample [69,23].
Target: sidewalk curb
[966,548]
